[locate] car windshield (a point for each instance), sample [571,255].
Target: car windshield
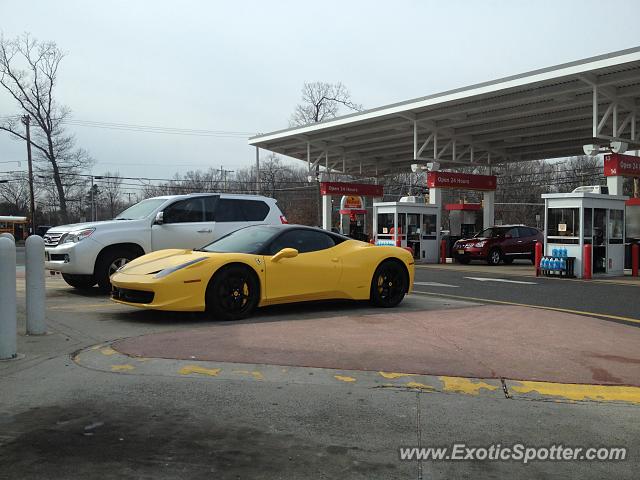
[141,210]
[491,233]
[246,240]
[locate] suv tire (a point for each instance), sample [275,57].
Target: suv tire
[108,263]
[494,257]
[81,282]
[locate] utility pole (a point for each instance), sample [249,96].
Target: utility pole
[27,123]
[223,176]
[257,171]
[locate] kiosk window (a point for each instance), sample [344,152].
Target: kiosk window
[588,223]
[413,226]
[563,222]
[429,225]
[402,223]
[616,226]
[385,223]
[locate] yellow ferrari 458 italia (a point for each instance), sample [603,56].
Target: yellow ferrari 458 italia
[265,265]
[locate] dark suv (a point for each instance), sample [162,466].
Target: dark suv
[501,243]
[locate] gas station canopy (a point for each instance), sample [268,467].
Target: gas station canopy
[547,113]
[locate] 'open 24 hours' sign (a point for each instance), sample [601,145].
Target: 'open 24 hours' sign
[616,164]
[463,181]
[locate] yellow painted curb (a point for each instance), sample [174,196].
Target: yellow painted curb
[580,392]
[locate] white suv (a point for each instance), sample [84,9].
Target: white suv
[88,253]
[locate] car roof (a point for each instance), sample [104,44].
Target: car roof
[292,226]
[220,194]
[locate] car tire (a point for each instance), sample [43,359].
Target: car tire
[107,265]
[389,284]
[233,293]
[494,257]
[81,282]
[463,260]
[508,260]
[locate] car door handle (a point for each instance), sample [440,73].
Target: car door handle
[205,231]
[335,259]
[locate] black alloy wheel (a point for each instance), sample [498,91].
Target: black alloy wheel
[232,294]
[389,284]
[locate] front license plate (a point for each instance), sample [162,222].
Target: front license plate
[460,252]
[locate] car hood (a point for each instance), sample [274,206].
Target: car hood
[156,261]
[473,239]
[110,224]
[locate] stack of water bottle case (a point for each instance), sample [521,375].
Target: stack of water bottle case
[559,264]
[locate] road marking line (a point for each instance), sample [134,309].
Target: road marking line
[555,309]
[418,385]
[255,374]
[188,369]
[434,284]
[122,368]
[468,386]
[344,378]
[503,280]
[626,283]
[393,375]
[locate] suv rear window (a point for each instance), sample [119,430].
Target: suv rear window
[236,210]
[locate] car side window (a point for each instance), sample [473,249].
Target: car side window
[302,240]
[254,210]
[525,232]
[513,232]
[229,210]
[210,208]
[184,211]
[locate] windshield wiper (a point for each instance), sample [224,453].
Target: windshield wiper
[122,218]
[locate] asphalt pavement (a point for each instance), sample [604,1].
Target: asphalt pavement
[610,301]
[19,256]
[62,419]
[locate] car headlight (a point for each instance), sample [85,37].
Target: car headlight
[480,244]
[75,237]
[167,271]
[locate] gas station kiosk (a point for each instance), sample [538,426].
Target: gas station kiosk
[573,220]
[409,223]
[353,217]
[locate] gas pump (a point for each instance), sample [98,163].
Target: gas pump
[352,217]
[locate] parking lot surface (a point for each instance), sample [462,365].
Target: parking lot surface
[114,415]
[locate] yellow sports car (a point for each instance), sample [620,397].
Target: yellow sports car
[264,265]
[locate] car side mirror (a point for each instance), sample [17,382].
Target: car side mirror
[285,253]
[159,218]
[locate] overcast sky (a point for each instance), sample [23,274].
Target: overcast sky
[239,65]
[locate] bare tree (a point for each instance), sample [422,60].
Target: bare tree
[111,189]
[321,101]
[15,192]
[29,73]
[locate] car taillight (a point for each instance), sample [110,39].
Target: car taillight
[283,219]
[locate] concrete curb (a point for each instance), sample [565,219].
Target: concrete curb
[103,357]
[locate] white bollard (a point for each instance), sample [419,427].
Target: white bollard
[8,316]
[35,295]
[9,236]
